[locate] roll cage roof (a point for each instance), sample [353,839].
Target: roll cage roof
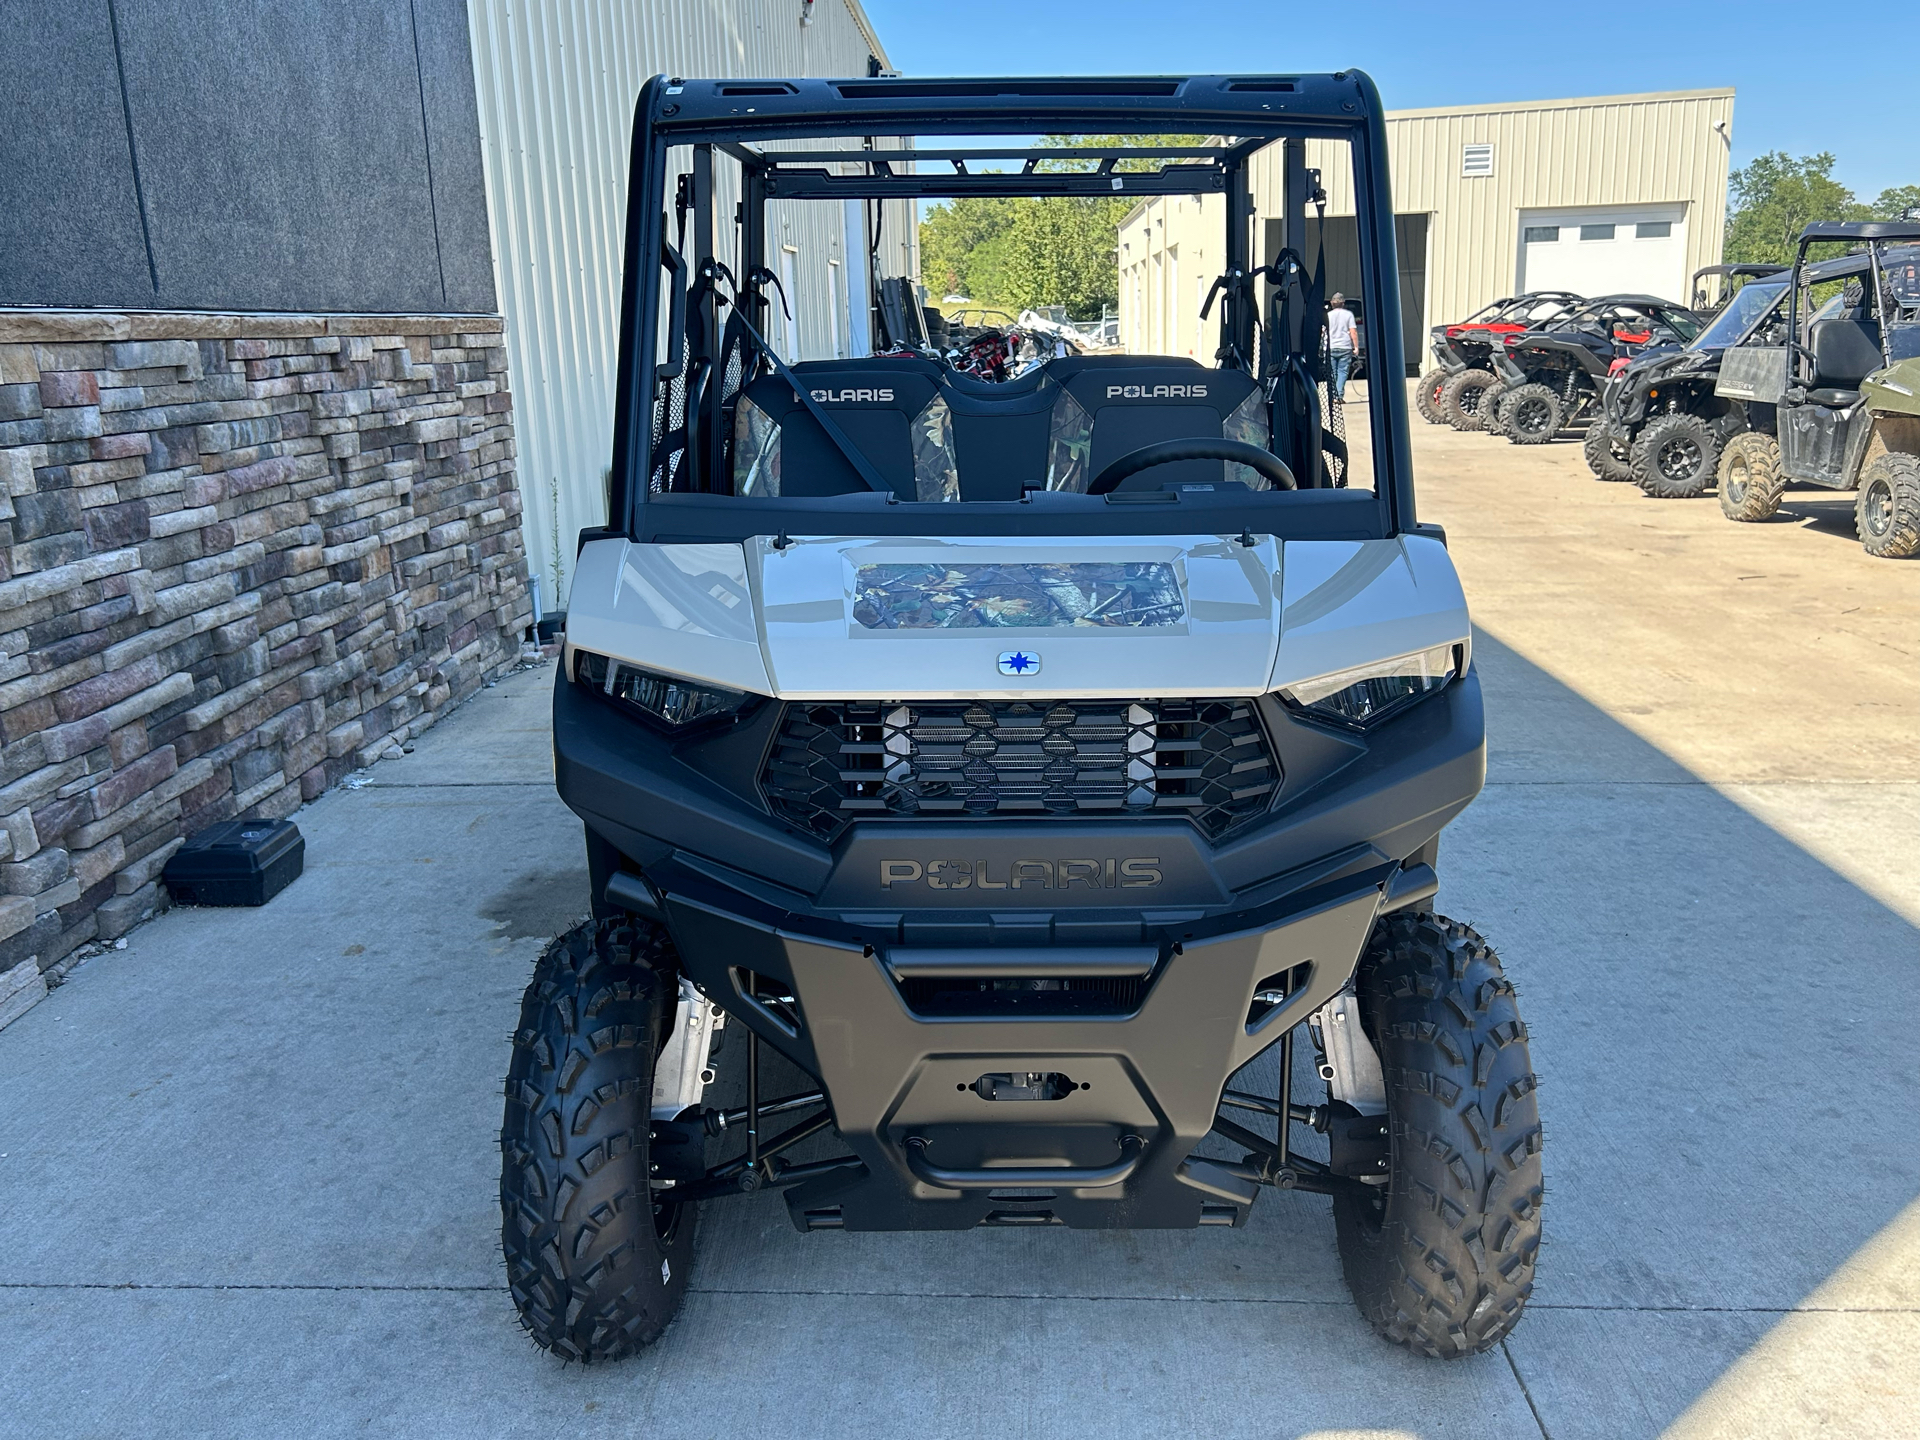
[1860,230]
[1749,270]
[1636,302]
[738,117]
[1839,267]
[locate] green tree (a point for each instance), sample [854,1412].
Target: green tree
[1893,204]
[1114,142]
[962,247]
[1775,197]
[1035,250]
[1061,252]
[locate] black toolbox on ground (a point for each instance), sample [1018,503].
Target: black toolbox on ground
[238,862]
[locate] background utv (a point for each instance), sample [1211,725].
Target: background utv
[1011,767]
[1660,422]
[1834,394]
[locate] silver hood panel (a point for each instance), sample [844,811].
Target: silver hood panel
[838,618]
[1217,639]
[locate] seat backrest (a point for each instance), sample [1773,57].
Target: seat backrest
[1068,366]
[866,364]
[1024,383]
[892,411]
[1000,434]
[1106,411]
[1845,351]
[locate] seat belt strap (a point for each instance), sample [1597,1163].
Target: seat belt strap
[862,466]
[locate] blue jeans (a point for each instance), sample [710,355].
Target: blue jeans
[1342,361]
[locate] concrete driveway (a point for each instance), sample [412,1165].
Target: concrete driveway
[247,1165]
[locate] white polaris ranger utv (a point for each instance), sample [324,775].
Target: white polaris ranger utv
[1020,761]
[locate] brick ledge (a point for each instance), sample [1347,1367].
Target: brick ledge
[27,326]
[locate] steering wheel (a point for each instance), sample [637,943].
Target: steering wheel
[1197,447]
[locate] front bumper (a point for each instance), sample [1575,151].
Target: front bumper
[1281,906]
[1141,1088]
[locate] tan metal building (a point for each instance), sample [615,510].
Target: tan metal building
[556,82]
[1602,195]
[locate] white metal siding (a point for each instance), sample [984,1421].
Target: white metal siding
[557,81]
[1663,150]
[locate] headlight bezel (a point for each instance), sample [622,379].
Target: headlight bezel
[1359,698]
[672,704]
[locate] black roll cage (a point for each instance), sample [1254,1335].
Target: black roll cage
[1877,235]
[735,116]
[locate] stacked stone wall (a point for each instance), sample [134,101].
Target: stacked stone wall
[240,557]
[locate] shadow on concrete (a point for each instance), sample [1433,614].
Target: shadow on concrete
[255,1165]
[1722,1023]
[1821,512]
[539,905]
[1724,1028]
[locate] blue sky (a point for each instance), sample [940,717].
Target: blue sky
[1796,92]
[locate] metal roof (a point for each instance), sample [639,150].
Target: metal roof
[1244,105]
[1861,230]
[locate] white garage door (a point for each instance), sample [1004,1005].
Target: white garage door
[1607,250]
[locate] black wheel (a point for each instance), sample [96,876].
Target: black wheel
[1440,1259]
[1426,396]
[1609,454]
[1533,415]
[1888,510]
[1676,456]
[1460,400]
[1751,480]
[597,1260]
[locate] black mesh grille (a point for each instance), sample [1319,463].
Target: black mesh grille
[840,761]
[1102,995]
[670,430]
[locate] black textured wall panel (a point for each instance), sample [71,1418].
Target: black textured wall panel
[453,134]
[318,155]
[69,224]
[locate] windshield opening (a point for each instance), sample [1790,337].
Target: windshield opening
[1103,319]
[1748,306]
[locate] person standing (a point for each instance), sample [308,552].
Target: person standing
[1343,341]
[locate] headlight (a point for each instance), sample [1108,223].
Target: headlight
[1367,694]
[666,700]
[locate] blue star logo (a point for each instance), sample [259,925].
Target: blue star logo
[1019,662]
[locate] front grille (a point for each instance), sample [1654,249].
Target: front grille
[1073,995]
[840,761]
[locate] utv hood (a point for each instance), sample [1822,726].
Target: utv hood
[1894,390]
[903,618]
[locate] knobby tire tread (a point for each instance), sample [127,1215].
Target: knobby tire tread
[1603,460]
[1901,474]
[1655,482]
[1445,1263]
[1451,398]
[1750,478]
[591,1274]
[1536,394]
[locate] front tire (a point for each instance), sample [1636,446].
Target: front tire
[1609,454]
[597,1261]
[1441,1258]
[1887,512]
[1532,415]
[1675,457]
[1460,401]
[1751,481]
[1426,396]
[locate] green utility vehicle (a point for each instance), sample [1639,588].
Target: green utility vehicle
[1843,392]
